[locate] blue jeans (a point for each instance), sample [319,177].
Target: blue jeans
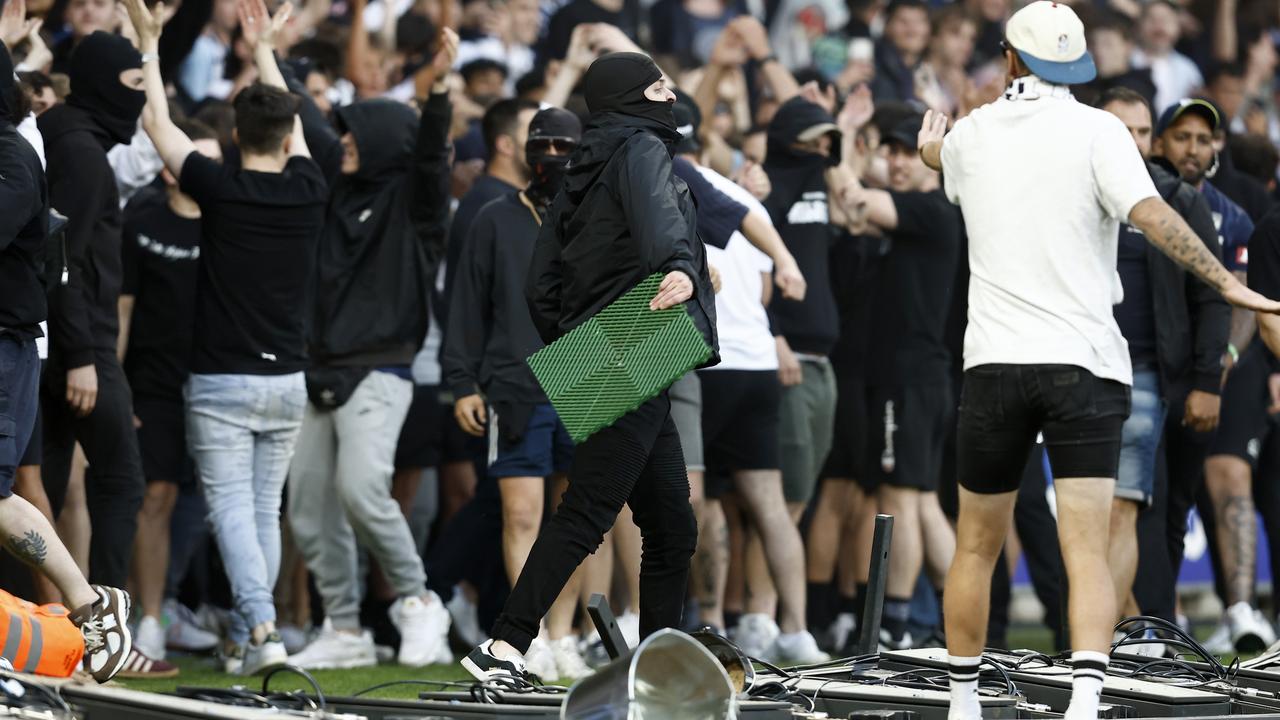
[1140,439]
[19,384]
[241,430]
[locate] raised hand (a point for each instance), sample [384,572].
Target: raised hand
[14,25]
[729,50]
[812,92]
[258,26]
[752,35]
[857,110]
[147,23]
[447,52]
[580,54]
[932,129]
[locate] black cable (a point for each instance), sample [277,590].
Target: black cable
[51,693]
[294,669]
[393,683]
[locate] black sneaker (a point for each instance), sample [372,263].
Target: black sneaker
[485,666]
[107,640]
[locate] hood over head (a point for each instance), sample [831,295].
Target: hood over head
[95,69]
[385,132]
[615,83]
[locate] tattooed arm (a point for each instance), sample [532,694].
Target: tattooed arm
[1166,229]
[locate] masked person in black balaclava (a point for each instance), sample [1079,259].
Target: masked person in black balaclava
[87,398]
[620,216]
[484,366]
[383,236]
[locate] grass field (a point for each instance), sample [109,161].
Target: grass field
[204,672]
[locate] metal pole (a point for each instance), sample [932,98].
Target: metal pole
[602,617]
[877,577]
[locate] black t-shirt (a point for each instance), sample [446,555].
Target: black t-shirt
[801,217]
[855,263]
[160,253]
[1136,316]
[913,293]
[719,216]
[257,251]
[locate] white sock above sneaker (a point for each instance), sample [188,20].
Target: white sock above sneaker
[962,673]
[1088,669]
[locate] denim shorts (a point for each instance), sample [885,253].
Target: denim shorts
[1140,439]
[544,448]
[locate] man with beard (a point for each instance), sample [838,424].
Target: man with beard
[1184,137]
[87,398]
[484,366]
[383,236]
[620,217]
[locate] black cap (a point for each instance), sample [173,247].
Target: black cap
[554,123]
[906,132]
[1203,108]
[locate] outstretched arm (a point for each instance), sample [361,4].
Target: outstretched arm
[1166,229]
[172,144]
[261,31]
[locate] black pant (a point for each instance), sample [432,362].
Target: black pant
[637,461]
[113,483]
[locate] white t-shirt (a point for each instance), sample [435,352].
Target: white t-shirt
[1044,184]
[743,326]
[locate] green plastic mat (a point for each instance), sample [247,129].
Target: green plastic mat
[614,362]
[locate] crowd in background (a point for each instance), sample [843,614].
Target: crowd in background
[392,500]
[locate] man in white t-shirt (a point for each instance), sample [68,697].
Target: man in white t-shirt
[1043,182]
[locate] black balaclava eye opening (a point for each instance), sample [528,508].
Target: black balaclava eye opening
[549,170]
[616,83]
[95,69]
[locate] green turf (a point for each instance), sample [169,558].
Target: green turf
[205,672]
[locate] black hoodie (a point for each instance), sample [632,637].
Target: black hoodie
[620,217]
[23,209]
[798,207]
[384,230]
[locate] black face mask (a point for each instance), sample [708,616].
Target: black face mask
[616,83]
[96,64]
[548,127]
[548,173]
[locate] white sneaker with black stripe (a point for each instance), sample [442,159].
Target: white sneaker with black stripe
[484,665]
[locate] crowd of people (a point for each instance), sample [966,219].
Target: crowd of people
[286,253]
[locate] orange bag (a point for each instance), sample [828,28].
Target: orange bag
[39,639]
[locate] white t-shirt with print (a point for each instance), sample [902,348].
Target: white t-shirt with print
[1044,182]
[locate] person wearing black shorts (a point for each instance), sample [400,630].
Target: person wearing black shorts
[909,403]
[159,255]
[1044,182]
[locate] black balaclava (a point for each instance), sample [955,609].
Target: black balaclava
[96,64]
[549,170]
[616,82]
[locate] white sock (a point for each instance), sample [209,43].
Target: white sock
[1088,669]
[962,672]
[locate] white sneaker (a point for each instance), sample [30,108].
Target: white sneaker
[629,624]
[1250,631]
[841,629]
[260,658]
[182,631]
[540,661]
[333,650]
[466,619]
[756,634]
[1219,641]
[148,637]
[569,662]
[798,648]
[232,659]
[424,630]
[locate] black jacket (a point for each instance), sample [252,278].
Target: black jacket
[24,204]
[384,231]
[82,313]
[492,333]
[1192,319]
[620,216]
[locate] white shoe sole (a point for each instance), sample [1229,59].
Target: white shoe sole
[482,675]
[345,664]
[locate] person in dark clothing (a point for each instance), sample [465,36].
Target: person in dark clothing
[620,216]
[900,50]
[101,612]
[484,367]
[1169,366]
[86,395]
[622,14]
[383,237]
[160,255]
[803,143]
[910,403]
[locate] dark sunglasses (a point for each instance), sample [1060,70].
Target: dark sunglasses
[563,146]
